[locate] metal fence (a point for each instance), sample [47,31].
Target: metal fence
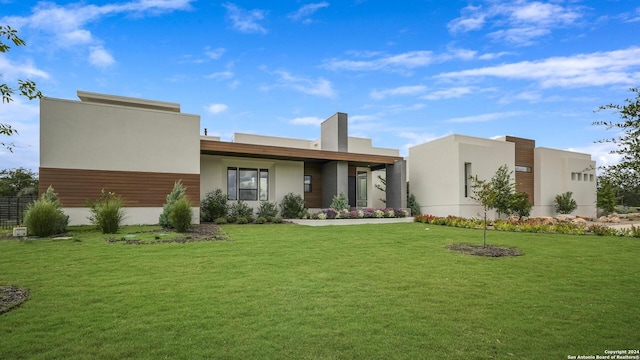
[12,209]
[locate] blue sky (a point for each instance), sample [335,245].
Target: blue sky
[406,72]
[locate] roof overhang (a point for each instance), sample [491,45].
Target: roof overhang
[223,148]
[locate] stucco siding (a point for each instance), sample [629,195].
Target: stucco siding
[82,135]
[284,176]
[553,176]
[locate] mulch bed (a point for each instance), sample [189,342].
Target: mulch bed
[197,233]
[489,250]
[11,297]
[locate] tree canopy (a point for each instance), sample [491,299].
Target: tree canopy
[15,182]
[26,88]
[626,173]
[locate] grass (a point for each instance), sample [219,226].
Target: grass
[288,291]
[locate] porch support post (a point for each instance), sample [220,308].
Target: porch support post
[335,180]
[397,185]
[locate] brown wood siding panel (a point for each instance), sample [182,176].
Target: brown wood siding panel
[277,152]
[314,198]
[524,150]
[137,189]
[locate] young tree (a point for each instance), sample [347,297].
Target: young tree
[26,88]
[503,189]
[625,174]
[483,193]
[606,198]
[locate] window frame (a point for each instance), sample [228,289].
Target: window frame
[236,191]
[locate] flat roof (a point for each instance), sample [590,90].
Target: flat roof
[97,98]
[372,161]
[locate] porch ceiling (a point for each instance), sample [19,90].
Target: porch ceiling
[374,162]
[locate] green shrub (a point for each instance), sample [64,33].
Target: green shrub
[107,212]
[221,221]
[50,195]
[601,230]
[45,218]
[181,215]
[564,204]
[520,204]
[413,205]
[176,194]
[340,202]
[260,220]
[240,209]
[292,206]
[277,220]
[242,220]
[214,206]
[267,209]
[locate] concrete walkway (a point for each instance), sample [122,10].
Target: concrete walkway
[307,222]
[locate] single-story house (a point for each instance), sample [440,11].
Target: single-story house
[138,148]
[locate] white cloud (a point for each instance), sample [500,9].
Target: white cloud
[12,71]
[217,108]
[485,117]
[66,25]
[100,57]
[519,22]
[317,87]
[600,153]
[303,13]
[472,19]
[215,54]
[22,116]
[402,90]
[245,21]
[450,93]
[619,67]
[399,62]
[307,120]
[221,75]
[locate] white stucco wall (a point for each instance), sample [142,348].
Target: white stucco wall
[272,141]
[95,136]
[436,172]
[110,137]
[284,176]
[364,146]
[553,176]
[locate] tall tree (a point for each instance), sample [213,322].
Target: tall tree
[626,173]
[14,182]
[26,88]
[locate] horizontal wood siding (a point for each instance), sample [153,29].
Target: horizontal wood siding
[524,157]
[314,198]
[137,189]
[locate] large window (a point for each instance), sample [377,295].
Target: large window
[247,184]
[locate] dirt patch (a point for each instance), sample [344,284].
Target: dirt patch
[197,233]
[11,297]
[489,250]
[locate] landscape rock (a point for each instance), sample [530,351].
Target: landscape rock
[546,220]
[565,217]
[579,221]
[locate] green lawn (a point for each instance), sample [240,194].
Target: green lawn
[356,292]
